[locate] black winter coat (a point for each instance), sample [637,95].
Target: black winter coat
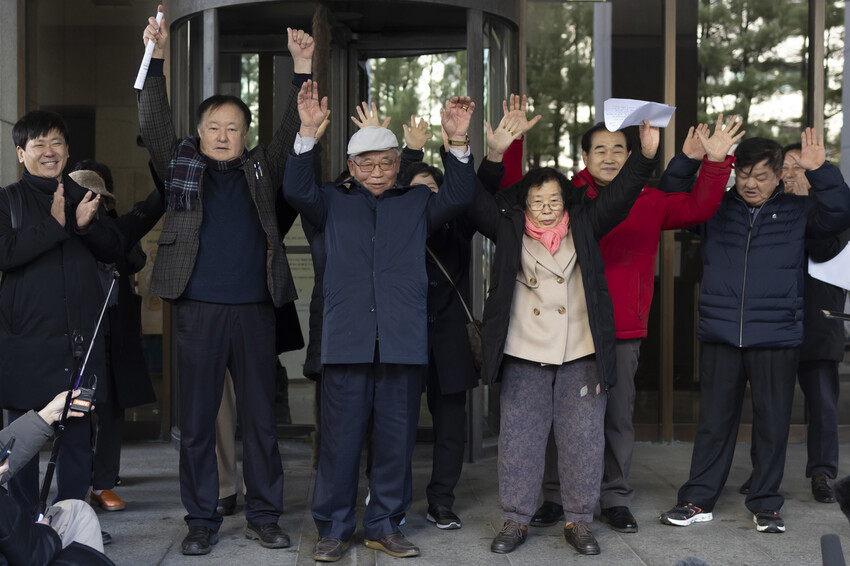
[823,338]
[51,289]
[448,342]
[502,219]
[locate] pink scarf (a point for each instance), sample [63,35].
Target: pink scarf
[549,237]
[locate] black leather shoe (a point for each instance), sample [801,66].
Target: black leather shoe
[200,540]
[821,489]
[107,538]
[578,536]
[226,505]
[270,535]
[548,514]
[511,536]
[394,544]
[329,549]
[620,519]
[443,517]
[745,487]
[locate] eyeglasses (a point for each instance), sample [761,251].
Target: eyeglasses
[537,205]
[368,166]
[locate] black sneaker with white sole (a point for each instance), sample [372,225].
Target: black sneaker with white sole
[769,522]
[684,515]
[443,517]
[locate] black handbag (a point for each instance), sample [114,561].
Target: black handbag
[473,325]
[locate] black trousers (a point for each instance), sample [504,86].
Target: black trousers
[210,339]
[724,372]
[448,413]
[73,466]
[819,382]
[391,394]
[108,436]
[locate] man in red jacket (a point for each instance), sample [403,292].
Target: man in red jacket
[629,251]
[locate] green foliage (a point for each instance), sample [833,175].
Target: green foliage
[402,86]
[750,51]
[560,78]
[250,95]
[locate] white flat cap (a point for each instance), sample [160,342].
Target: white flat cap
[371,138]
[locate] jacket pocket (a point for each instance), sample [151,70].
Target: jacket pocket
[167,237]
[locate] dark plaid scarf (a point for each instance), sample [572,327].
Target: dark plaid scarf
[184,172]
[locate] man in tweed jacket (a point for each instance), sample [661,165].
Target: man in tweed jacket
[221,264]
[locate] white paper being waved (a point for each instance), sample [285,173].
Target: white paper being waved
[146,60]
[623,112]
[835,271]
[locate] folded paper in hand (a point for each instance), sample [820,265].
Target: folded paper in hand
[623,112]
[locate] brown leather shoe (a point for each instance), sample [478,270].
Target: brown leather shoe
[511,536]
[578,536]
[394,544]
[107,499]
[329,549]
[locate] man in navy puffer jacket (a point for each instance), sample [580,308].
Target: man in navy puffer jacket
[751,321]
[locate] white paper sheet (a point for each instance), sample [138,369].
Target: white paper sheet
[835,271]
[624,112]
[139,84]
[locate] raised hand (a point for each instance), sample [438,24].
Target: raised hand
[322,127]
[718,145]
[369,117]
[311,110]
[158,33]
[417,133]
[693,146]
[500,139]
[300,45]
[87,209]
[813,154]
[455,117]
[517,109]
[57,208]
[649,139]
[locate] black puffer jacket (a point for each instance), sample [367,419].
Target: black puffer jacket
[502,219]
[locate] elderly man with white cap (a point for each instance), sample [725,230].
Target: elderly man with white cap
[374,338]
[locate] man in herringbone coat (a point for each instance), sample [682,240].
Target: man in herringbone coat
[221,264]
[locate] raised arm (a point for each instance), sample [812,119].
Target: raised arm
[299,181]
[155,121]
[612,206]
[458,187]
[301,47]
[829,192]
[687,209]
